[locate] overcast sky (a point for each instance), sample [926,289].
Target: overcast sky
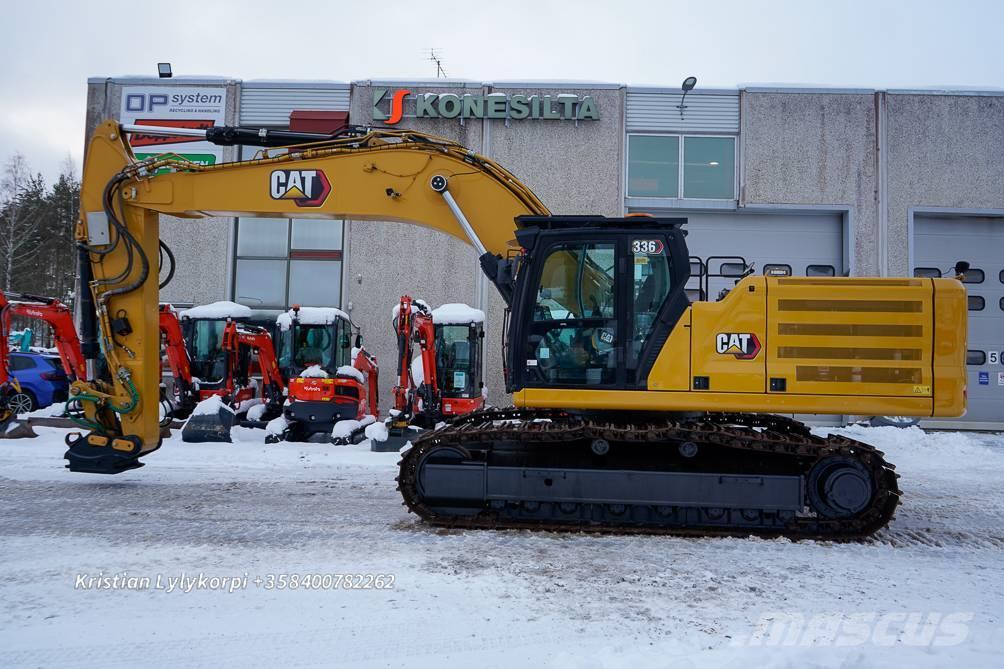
[48,49]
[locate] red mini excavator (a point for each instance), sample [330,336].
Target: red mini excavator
[330,380]
[239,343]
[60,319]
[445,380]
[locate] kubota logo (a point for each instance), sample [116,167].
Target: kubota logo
[743,345]
[307,188]
[396,105]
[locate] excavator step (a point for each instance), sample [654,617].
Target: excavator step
[14,428]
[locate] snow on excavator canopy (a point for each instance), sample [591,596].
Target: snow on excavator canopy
[310,316]
[217,311]
[457,314]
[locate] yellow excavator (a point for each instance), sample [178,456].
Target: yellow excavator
[635,410]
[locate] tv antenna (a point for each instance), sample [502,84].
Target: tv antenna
[440,72]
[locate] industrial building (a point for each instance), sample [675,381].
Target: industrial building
[802,181]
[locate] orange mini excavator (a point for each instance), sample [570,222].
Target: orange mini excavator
[60,319]
[330,380]
[444,381]
[239,343]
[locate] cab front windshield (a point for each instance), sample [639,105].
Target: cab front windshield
[209,361]
[304,345]
[456,363]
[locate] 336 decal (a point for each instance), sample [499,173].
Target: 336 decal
[743,345]
[307,188]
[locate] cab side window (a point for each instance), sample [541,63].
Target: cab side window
[573,335]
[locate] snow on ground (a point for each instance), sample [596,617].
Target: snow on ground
[926,592]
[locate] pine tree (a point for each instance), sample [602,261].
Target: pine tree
[22,203]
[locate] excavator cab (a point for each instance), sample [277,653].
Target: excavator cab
[459,342]
[594,300]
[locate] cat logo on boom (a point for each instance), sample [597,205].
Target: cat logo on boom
[307,188]
[743,345]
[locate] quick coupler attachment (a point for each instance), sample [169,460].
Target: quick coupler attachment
[95,453]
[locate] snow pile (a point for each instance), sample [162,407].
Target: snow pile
[311,316]
[377,432]
[314,372]
[457,314]
[211,406]
[417,371]
[52,411]
[218,311]
[247,405]
[256,412]
[347,370]
[343,429]
[277,426]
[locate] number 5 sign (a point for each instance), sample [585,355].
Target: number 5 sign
[994,357]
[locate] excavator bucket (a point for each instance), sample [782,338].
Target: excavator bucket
[397,436]
[13,428]
[210,421]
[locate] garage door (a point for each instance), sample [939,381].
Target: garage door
[938,242]
[795,244]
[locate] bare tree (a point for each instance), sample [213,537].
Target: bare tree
[21,203]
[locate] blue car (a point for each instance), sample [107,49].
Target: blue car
[43,381]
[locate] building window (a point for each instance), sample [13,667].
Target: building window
[281,262]
[285,261]
[973,275]
[709,167]
[653,166]
[820,270]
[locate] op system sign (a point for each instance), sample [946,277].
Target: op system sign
[174,107]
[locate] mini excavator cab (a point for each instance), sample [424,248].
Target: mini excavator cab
[458,366]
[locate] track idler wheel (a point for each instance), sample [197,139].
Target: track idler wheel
[840,487]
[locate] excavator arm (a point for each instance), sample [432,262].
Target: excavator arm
[178,360]
[259,341]
[361,175]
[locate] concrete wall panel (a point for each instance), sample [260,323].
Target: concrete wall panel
[814,149]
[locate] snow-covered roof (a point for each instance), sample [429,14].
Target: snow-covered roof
[457,314]
[311,316]
[218,310]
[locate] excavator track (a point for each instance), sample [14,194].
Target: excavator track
[724,474]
